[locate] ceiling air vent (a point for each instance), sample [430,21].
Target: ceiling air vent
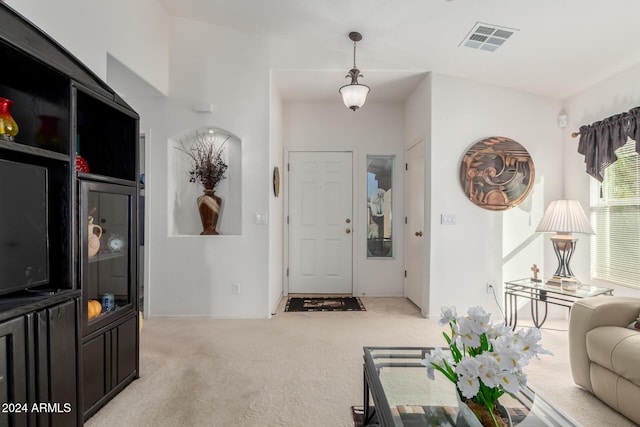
[487,37]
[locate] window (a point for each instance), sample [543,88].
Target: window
[379,206]
[616,216]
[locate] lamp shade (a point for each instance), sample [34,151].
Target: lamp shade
[565,216]
[354,95]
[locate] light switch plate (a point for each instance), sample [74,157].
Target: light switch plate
[448,219]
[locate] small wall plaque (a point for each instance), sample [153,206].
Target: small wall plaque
[276,181]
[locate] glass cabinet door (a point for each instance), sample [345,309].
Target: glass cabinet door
[108,266]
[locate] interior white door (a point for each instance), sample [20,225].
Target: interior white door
[415,238]
[320,222]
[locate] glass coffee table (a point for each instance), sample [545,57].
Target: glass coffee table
[403,394]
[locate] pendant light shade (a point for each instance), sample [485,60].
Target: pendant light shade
[354,94]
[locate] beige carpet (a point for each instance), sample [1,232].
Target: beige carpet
[297,369]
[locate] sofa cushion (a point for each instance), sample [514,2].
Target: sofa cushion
[616,349]
[618,393]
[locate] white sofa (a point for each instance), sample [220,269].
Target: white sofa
[604,353]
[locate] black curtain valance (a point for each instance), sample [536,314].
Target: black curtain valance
[600,140]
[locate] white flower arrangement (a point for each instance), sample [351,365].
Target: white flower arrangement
[485,360]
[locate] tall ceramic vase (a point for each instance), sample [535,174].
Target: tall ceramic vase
[209,207]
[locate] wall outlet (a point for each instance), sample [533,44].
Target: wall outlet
[489,287]
[260,218]
[235,288]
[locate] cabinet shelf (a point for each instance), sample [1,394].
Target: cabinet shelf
[107,179]
[106,256]
[34,151]
[117,311]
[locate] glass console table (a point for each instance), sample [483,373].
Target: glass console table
[403,395]
[540,292]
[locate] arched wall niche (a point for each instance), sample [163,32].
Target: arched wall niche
[183,217]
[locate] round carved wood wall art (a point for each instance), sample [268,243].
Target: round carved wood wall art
[497,173]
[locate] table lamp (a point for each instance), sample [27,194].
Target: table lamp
[564,217]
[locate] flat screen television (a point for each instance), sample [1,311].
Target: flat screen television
[24,239]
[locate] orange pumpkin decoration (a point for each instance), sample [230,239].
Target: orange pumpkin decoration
[93,308]
[97,307]
[90,310]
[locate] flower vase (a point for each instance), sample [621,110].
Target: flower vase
[209,207]
[468,417]
[48,136]
[8,126]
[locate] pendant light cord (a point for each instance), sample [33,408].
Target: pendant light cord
[354,54]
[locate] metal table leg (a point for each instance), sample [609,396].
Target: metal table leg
[511,310]
[535,314]
[366,416]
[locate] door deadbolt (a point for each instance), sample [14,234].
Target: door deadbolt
[419,233]
[347,220]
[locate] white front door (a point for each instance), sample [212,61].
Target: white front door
[320,222]
[415,238]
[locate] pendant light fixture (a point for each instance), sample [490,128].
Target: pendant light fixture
[354,94]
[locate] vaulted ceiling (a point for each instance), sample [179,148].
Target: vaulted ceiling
[557,47]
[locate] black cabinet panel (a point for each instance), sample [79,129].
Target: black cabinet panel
[127,349]
[110,362]
[57,338]
[13,372]
[94,372]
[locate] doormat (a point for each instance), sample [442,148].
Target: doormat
[325,304]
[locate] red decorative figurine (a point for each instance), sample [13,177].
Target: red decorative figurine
[81,163]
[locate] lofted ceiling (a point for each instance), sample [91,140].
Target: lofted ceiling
[558,47]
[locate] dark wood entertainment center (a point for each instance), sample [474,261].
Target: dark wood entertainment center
[61,361]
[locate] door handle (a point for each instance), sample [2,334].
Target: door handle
[419,233]
[348,230]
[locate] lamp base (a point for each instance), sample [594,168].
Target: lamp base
[564,244]
[566,283]
[554,281]
[558,280]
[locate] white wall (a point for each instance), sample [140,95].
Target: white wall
[615,95]
[375,129]
[90,30]
[193,62]
[193,275]
[484,244]
[417,125]
[276,204]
